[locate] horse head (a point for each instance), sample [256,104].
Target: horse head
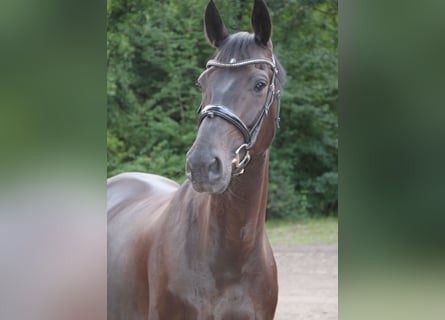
[239,111]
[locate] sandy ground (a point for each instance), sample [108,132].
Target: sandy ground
[308,282]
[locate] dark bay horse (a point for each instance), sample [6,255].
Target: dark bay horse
[199,250]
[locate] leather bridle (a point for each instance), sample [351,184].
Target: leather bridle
[250,135]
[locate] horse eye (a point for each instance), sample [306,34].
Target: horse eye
[260,86]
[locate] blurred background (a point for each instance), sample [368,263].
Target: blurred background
[52,160]
[157,50]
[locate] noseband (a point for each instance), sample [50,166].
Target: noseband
[250,135]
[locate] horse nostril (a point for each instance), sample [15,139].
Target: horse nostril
[188,170]
[213,166]
[214,169]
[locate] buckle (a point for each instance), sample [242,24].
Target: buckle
[241,163]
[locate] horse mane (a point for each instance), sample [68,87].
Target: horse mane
[242,46]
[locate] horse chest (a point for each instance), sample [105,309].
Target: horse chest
[202,295]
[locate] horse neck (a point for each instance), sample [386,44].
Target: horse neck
[240,210]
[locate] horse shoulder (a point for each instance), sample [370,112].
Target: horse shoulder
[135,205]
[127,188]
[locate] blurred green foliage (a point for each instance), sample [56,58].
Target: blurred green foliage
[156,51]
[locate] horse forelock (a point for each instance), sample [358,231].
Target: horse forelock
[239,46]
[242,46]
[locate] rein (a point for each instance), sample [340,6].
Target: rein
[250,135]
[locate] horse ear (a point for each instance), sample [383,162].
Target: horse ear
[214,27]
[261,23]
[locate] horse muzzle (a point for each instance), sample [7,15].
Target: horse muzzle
[206,172]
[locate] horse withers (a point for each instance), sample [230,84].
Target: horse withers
[199,250]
